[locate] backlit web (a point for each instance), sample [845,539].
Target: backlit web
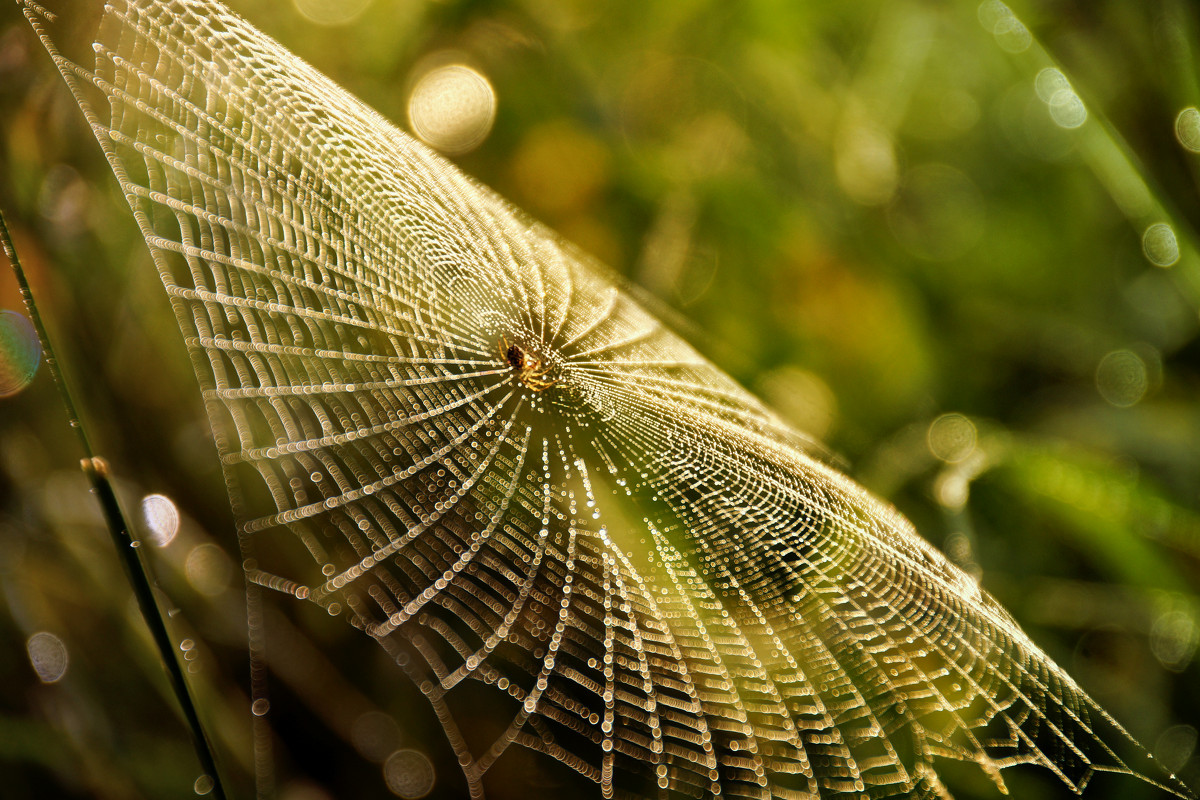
[517,481]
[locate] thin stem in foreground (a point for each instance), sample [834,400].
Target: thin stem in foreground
[96,468]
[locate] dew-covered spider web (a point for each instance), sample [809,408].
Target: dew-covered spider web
[518,482]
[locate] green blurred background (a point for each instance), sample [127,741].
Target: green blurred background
[957,242]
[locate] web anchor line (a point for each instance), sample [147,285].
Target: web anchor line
[97,470]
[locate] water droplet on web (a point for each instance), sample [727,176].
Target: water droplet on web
[20,353]
[409,774]
[48,656]
[1187,128]
[452,108]
[1160,245]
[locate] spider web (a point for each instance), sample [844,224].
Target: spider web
[604,532]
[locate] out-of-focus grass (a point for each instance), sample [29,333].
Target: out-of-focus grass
[873,213]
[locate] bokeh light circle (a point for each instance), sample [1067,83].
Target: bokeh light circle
[48,656]
[409,774]
[1160,245]
[209,570]
[331,12]
[452,108]
[952,437]
[1175,746]
[1067,110]
[1174,639]
[1122,378]
[1049,82]
[1011,34]
[1187,128]
[161,518]
[20,353]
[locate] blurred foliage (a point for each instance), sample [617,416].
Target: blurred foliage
[875,214]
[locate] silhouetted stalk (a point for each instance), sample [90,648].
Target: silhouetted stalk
[96,468]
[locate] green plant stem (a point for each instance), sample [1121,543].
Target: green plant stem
[96,468]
